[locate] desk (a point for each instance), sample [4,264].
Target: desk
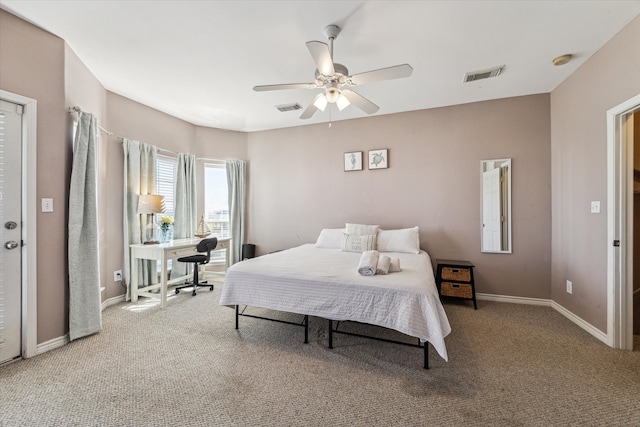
[164,252]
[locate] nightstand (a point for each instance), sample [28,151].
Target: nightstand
[454,279]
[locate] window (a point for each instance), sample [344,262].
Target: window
[216,199]
[166,171]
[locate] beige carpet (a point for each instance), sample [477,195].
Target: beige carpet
[186,365]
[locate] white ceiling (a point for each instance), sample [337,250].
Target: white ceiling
[198,60]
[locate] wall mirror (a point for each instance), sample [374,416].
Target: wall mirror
[495,179]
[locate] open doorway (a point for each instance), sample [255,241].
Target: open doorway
[620,222]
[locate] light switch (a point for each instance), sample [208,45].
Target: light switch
[595,207]
[47,205]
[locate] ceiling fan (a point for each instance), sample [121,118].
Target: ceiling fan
[336,81]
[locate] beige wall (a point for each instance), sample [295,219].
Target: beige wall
[36,70]
[579,172]
[44,68]
[129,119]
[298,185]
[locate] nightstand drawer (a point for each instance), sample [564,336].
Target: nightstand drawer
[459,274]
[458,290]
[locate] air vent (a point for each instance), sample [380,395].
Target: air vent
[289,107]
[482,74]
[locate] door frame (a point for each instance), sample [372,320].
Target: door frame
[29,323]
[620,226]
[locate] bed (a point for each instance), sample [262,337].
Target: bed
[313,280]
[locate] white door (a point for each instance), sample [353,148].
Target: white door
[491,212]
[10,230]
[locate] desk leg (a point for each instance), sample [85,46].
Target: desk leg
[133,280]
[163,282]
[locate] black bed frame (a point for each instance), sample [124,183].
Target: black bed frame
[305,323]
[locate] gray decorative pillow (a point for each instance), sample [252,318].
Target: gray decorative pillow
[354,243]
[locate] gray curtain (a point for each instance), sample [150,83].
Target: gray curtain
[236,178]
[139,178]
[185,221]
[85,315]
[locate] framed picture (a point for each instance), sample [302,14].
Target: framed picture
[378,159]
[353,161]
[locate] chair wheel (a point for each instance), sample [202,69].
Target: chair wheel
[177,291]
[193,294]
[211,288]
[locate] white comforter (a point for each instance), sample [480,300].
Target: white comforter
[325,283]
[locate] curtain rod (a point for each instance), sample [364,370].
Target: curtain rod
[77,109]
[205,159]
[121,139]
[167,151]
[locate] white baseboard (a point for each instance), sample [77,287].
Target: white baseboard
[112,301]
[514,300]
[548,303]
[64,340]
[583,324]
[52,344]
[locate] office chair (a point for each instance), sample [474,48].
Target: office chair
[205,245]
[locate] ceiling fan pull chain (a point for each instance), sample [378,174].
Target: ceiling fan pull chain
[330,115]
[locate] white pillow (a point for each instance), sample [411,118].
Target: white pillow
[361,229]
[330,238]
[354,243]
[404,240]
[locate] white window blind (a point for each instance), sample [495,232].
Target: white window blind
[166,170]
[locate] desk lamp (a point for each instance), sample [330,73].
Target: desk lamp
[150,204]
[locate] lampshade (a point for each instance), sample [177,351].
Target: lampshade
[342,102]
[150,204]
[320,102]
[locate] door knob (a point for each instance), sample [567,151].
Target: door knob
[11,244]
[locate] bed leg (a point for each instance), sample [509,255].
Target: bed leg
[330,334]
[306,329]
[237,315]
[426,355]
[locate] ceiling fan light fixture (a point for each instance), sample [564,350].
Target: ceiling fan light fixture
[335,81]
[321,102]
[332,94]
[342,102]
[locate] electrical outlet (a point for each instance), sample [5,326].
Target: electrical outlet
[117,276]
[569,287]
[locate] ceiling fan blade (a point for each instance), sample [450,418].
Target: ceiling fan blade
[311,109]
[322,57]
[360,101]
[265,88]
[396,72]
